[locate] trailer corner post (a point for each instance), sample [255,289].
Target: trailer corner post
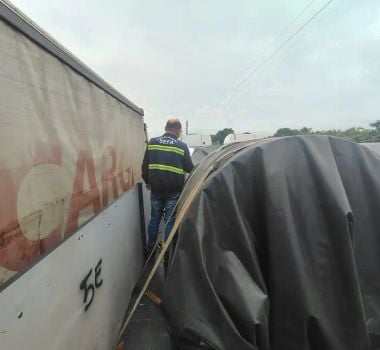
[142,217]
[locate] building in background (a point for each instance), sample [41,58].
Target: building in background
[196,140]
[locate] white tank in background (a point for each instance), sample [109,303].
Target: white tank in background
[246,136]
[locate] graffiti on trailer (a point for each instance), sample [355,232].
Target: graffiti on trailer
[88,287]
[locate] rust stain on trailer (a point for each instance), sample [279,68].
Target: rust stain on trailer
[17,251]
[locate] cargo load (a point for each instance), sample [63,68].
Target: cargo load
[279,249]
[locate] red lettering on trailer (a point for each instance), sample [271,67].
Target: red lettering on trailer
[81,199]
[125,185]
[109,176]
[17,251]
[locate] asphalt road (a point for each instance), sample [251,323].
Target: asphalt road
[148,329]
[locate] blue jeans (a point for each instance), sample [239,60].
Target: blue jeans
[162,206]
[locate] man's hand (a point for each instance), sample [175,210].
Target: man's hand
[147,187]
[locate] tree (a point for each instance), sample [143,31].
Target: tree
[219,137]
[214,140]
[376,125]
[286,132]
[357,134]
[306,131]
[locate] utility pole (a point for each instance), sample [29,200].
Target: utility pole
[187,127]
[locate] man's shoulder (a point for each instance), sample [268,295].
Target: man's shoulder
[181,144]
[155,140]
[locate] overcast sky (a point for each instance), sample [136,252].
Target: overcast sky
[180,57]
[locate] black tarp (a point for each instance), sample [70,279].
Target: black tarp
[375,146]
[280,249]
[202,152]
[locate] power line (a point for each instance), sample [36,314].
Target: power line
[280,47]
[294,43]
[268,47]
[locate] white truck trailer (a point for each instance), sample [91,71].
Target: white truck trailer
[70,226]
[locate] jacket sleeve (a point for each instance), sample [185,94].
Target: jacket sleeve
[144,167]
[188,165]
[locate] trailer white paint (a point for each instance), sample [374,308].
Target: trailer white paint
[44,309]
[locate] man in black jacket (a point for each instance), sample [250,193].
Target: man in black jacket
[165,162]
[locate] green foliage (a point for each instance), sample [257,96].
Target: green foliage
[287,132]
[357,134]
[219,137]
[376,125]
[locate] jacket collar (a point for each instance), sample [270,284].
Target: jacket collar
[170,135]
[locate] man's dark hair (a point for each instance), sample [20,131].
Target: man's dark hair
[173,124]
